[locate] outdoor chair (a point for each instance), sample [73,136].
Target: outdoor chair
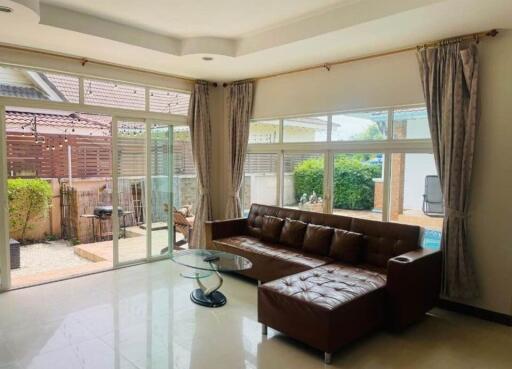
[182,224]
[433,197]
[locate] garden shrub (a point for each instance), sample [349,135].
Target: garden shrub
[353,183]
[29,200]
[353,180]
[308,176]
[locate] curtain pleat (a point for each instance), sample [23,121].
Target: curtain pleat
[240,99]
[449,75]
[201,137]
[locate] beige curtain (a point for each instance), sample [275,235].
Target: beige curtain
[449,75]
[201,136]
[240,97]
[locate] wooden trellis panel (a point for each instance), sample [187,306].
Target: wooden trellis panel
[90,156]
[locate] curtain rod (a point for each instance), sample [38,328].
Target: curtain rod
[472,36]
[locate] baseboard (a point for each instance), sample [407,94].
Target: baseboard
[476,312]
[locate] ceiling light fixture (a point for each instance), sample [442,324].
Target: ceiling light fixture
[207,58]
[5,9]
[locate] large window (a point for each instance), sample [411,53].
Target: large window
[375,164]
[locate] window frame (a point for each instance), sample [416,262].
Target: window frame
[117,114]
[95,109]
[330,148]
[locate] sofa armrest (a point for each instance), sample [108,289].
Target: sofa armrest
[413,285]
[224,228]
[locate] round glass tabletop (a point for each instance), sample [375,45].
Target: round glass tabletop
[211,260]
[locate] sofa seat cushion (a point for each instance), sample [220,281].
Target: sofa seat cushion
[270,261]
[329,286]
[325,307]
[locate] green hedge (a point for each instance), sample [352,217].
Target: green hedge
[353,180]
[28,201]
[308,176]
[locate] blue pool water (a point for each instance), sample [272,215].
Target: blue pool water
[431,239]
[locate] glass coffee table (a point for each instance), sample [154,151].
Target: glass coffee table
[205,263]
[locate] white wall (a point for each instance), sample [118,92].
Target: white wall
[394,80]
[417,167]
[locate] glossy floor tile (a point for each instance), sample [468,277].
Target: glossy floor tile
[142,317]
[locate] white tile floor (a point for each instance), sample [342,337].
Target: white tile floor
[141,317]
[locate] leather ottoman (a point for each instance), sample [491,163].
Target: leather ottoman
[325,307]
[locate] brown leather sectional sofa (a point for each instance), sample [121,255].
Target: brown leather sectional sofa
[327,280]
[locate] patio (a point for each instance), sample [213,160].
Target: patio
[62,261]
[413,217]
[131,248]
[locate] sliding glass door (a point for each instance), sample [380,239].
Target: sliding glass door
[144,185]
[131,169]
[161,184]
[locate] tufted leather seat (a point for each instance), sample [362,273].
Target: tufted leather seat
[323,301]
[325,307]
[270,261]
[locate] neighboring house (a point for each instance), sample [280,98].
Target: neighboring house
[36,137]
[35,85]
[308,129]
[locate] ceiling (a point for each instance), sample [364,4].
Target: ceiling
[182,18]
[246,38]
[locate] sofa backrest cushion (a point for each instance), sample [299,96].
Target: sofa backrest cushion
[347,246]
[317,239]
[271,228]
[292,233]
[385,240]
[255,218]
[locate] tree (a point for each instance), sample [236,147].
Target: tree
[372,132]
[29,200]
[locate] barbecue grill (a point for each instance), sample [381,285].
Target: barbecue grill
[106,211]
